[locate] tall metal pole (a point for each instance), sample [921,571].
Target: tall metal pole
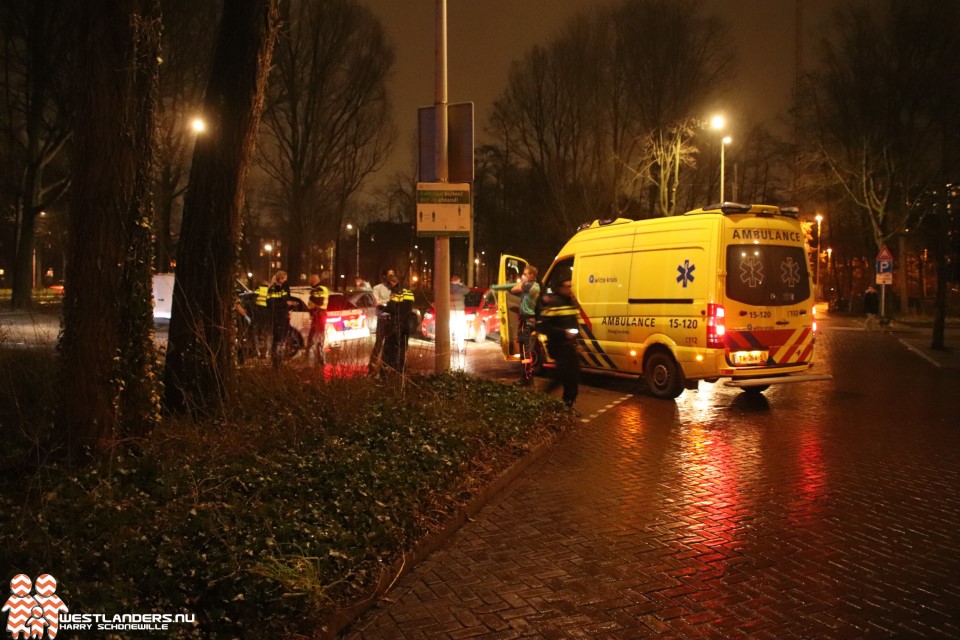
[819,244]
[722,146]
[441,276]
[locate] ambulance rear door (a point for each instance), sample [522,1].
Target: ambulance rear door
[508,305]
[768,294]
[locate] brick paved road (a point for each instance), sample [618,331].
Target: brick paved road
[824,510]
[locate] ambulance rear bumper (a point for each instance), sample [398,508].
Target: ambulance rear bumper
[756,382]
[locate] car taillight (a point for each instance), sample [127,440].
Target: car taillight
[716,326]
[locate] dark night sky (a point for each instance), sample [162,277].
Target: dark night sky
[485,36]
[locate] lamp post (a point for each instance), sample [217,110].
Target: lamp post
[723,143]
[349,227]
[829,265]
[267,251]
[718,122]
[819,219]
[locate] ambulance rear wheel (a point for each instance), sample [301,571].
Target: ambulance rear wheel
[760,388]
[663,376]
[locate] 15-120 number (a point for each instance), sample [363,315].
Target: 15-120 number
[683,323]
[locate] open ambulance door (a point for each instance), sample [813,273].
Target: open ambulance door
[508,305]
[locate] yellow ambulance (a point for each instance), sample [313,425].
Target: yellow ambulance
[719,292]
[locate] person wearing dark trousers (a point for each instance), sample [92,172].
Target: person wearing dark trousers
[381,294]
[559,322]
[279,302]
[396,321]
[871,306]
[319,295]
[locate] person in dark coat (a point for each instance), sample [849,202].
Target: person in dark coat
[559,322]
[279,302]
[871,306]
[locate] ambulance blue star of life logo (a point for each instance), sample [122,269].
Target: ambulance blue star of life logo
[790,272]
[751,271]
[686,273]
[35,615]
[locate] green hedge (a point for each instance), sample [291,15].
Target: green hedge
[275,516]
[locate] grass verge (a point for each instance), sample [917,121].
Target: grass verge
[268,520]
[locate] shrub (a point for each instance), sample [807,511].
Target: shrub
[266,520]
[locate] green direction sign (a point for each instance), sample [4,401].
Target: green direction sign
[443,209]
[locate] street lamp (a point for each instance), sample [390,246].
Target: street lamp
[819,219]
[718,122]
[349,228]
[198,125]
[829,265]
[267,250]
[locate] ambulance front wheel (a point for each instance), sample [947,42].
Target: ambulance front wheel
[663,376]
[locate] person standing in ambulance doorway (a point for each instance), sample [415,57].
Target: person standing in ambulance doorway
[559,322]
[529,291]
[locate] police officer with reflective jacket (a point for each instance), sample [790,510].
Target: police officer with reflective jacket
[279,302]
[261,319]
[317,305]
[559,322]
[396,320]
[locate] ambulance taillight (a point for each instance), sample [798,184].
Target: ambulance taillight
[814,318]
[716,326]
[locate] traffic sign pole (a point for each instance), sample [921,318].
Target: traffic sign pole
[884,276]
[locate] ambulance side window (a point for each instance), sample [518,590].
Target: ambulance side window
[560,272]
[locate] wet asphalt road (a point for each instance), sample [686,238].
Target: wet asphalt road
[820,510]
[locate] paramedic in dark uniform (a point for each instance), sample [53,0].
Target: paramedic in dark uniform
[559,322]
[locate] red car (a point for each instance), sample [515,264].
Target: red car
[480,309]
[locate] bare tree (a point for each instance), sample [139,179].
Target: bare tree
[676,61]
[199,355]
[34,124]
[607,110]
[327,126]
[109,388]
[883,119]
[188,36]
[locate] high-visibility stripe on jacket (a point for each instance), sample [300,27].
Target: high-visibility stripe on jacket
[262,295]
[319,296]
[560,310]
[404,295]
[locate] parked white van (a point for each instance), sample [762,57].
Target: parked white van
[719,292]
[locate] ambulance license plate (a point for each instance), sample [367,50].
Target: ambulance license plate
[749,357]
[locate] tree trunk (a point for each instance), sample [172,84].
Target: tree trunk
[22,281]
[109,390]
[199,365]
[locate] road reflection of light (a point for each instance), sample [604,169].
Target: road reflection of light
[711,475]
[808,501]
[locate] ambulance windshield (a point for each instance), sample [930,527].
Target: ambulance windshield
[767,275]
